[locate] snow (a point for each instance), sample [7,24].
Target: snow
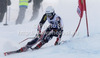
[80,46]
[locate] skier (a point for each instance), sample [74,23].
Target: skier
[54,29]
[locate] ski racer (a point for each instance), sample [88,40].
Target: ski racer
[54,29]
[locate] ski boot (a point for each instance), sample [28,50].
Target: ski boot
[39,45]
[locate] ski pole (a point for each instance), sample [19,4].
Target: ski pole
[25,40]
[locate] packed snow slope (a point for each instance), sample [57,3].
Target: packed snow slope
[80,46]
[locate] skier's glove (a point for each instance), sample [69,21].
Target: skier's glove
[39,35]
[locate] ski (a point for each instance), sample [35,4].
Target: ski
[14,52]
[18,51]
[10,52]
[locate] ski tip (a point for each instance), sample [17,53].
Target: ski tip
[5,54]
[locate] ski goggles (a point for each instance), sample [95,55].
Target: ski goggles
[49,14]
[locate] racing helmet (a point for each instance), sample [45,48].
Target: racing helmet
[50,11]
